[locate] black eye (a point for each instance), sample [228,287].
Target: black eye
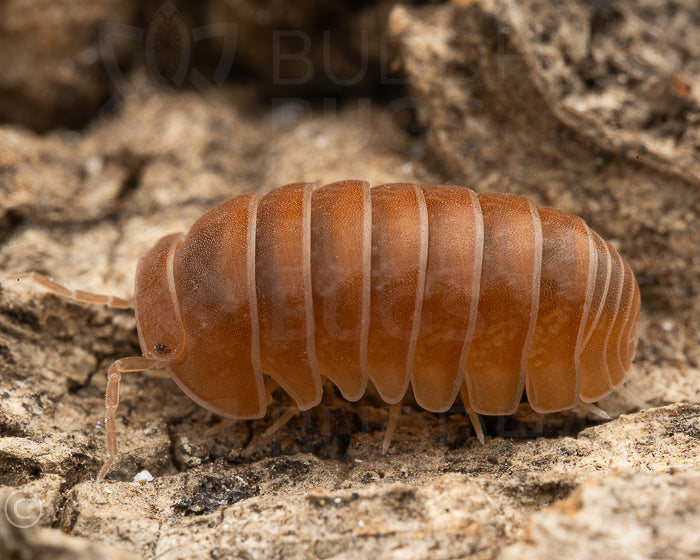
[161,348]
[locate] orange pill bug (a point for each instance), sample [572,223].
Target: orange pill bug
[436,288]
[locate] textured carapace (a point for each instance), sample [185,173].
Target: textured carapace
[435,287]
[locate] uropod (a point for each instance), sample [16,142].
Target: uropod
[434,289]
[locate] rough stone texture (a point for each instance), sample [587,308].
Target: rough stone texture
[555,102]
[653,517]
[24,527]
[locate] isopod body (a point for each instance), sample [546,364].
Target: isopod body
[434,287]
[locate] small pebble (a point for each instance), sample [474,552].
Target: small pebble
[143,476]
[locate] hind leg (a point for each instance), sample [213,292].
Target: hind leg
[473,416]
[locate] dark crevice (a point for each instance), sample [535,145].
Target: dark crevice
[172,448]
[9,427]
[134,166]
[110,216]
[249,436]
[214,491]
[10,220]
[64,498]
[72,227]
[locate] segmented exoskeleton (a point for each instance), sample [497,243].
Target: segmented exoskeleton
[435,288]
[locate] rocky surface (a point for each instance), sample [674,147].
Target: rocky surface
[591,107]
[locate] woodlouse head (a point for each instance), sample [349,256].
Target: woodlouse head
[161,333]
